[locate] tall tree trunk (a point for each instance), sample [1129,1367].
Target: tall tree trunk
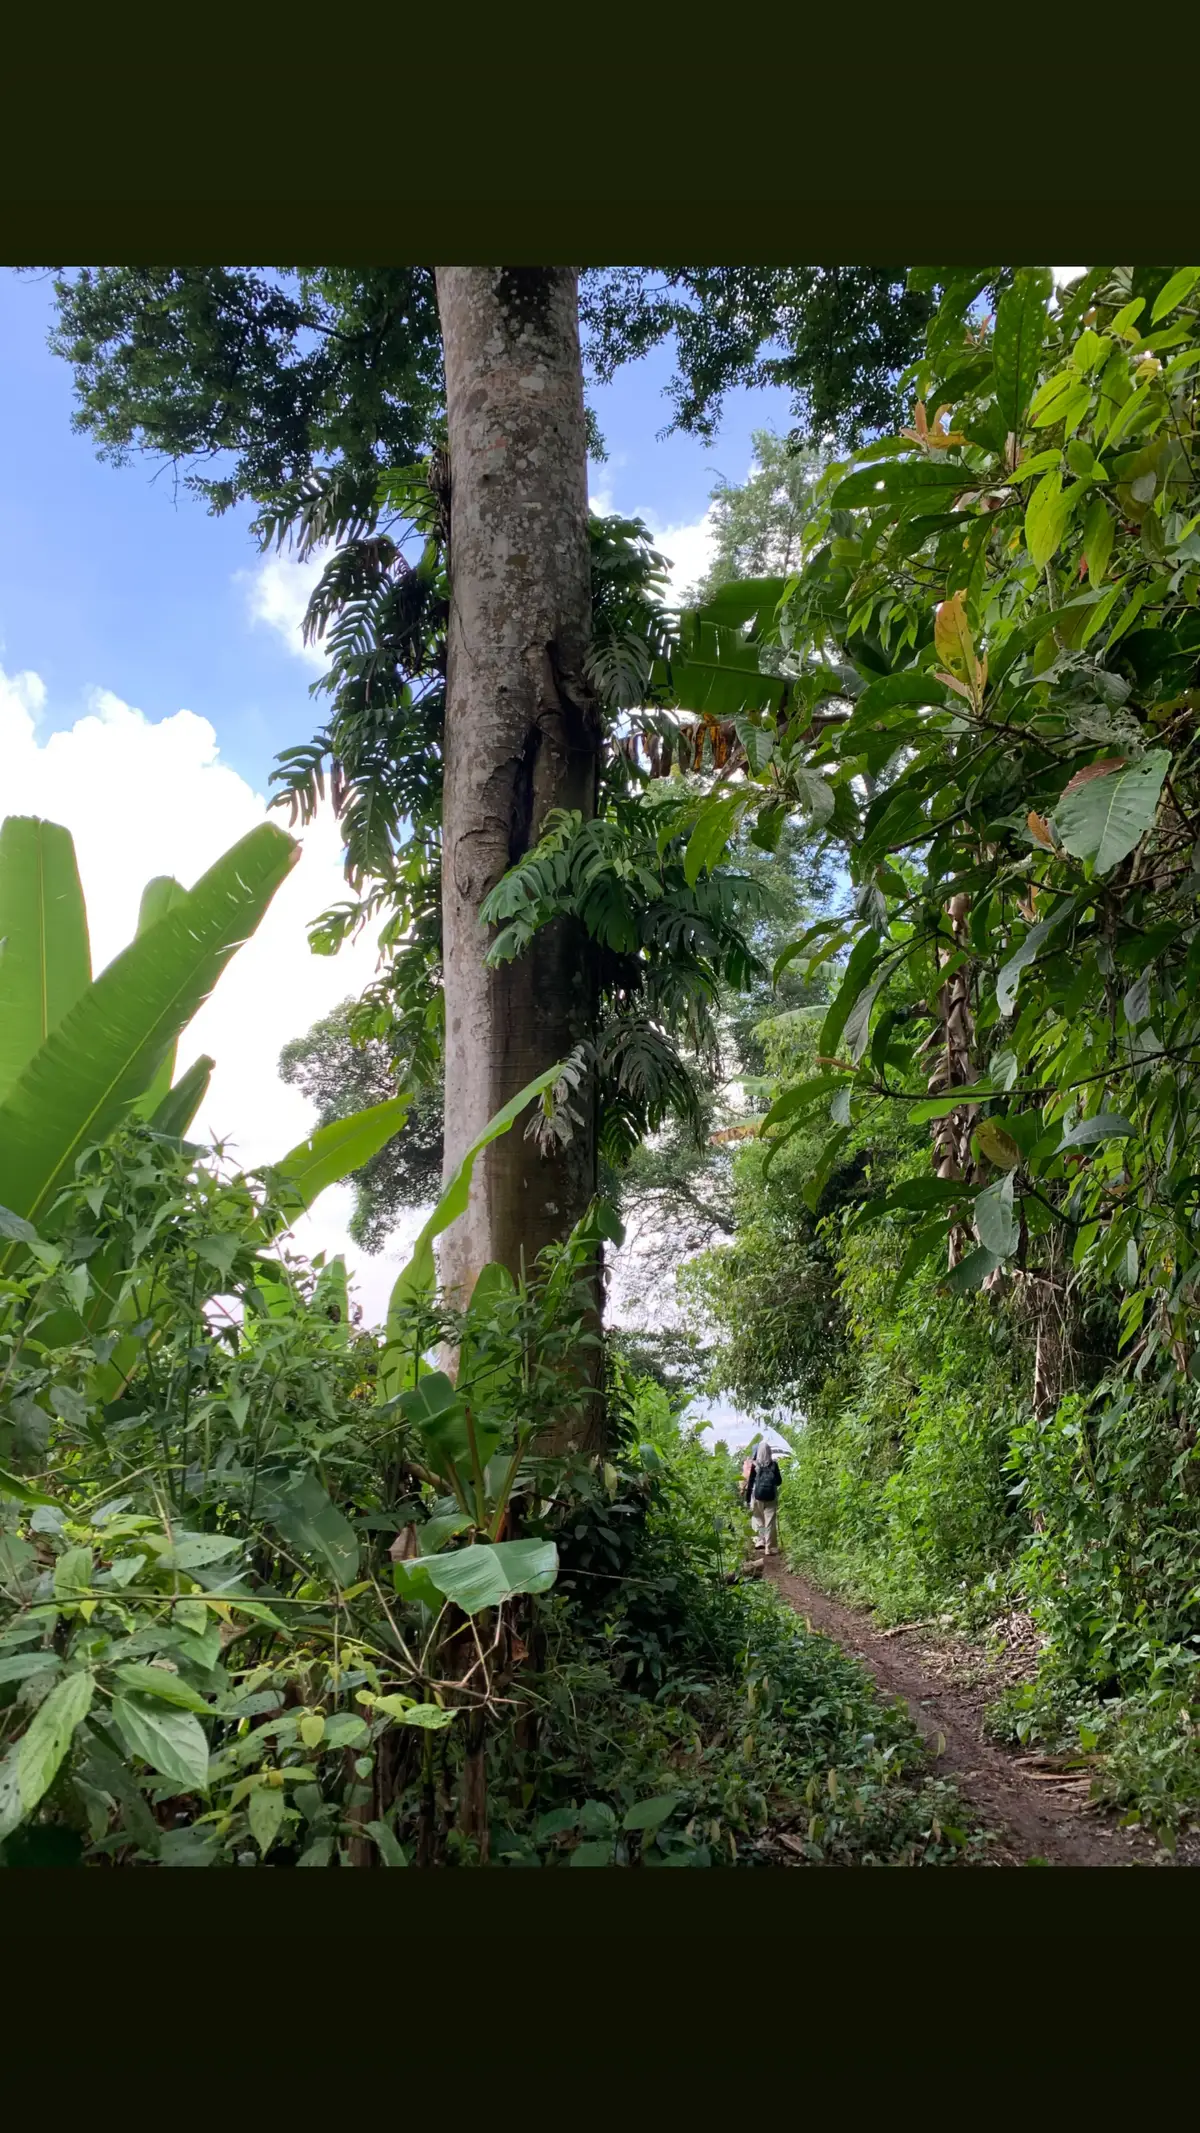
[522,735]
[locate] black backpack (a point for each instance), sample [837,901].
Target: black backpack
[766,1483]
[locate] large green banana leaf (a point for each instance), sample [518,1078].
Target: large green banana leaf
[45,961]
[108,1048]
[175,1110]
[159,896]
[332,1152]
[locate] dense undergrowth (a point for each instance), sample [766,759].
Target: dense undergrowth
[924,1487]
[666,1692]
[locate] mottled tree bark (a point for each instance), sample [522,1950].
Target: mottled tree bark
[522,735]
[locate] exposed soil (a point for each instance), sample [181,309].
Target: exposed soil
[1039,1807]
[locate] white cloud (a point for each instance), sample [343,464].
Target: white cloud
[143,797]
[688,549]
[277,593]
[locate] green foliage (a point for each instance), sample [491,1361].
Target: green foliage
[1005,595]
[106,1049]
[341,1076]
[759,524]
[45,959]
[274,371]
[686,1722]
[836,337]
[666,940]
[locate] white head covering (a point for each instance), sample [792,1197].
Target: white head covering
[762,1456]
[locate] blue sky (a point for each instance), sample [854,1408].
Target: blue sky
[112,578]
[151,668]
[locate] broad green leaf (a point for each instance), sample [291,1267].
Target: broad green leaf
[159,896]
[11,1810]
[743,600]
[45,960]
[412,1583]
[48,1736]
[1103,819]
[649,1815]
[1062,398]
[1017,343]
[171,1741]
[973,1271]
[1104,1126]
[108,1046]
[27,1663]
[20,1491]
[914,1195]
[1098,533]
[430,1717]
[437,1531]
[892,692]
[804,1098]
[858,1021]
[863,958]
[1046,519]
[931,1107]
[176,1110]
[874,485]
[156,1681]
[302,1512]
[595,1852]
[265,1814]
[332,1152]
[345,1730]
[1004,1069]
[1182,282]
[710,836]
[1028,952]
[73,1573]
[995,1221]
[1126,416]
[1129,613]
[490,1573]
[391,1851]
[190,1549]
[432,1397]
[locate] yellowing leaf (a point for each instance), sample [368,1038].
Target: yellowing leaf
[1040,828]
[952,637]
[999,1147]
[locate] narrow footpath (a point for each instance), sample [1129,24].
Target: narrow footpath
[1037,1806]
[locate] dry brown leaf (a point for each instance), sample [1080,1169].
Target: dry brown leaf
[1095,770]
[1040,828]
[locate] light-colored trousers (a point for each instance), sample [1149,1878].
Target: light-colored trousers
[765,1517]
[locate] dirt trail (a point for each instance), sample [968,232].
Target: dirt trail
[1035,1810]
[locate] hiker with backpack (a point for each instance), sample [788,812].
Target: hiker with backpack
[762,1495]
